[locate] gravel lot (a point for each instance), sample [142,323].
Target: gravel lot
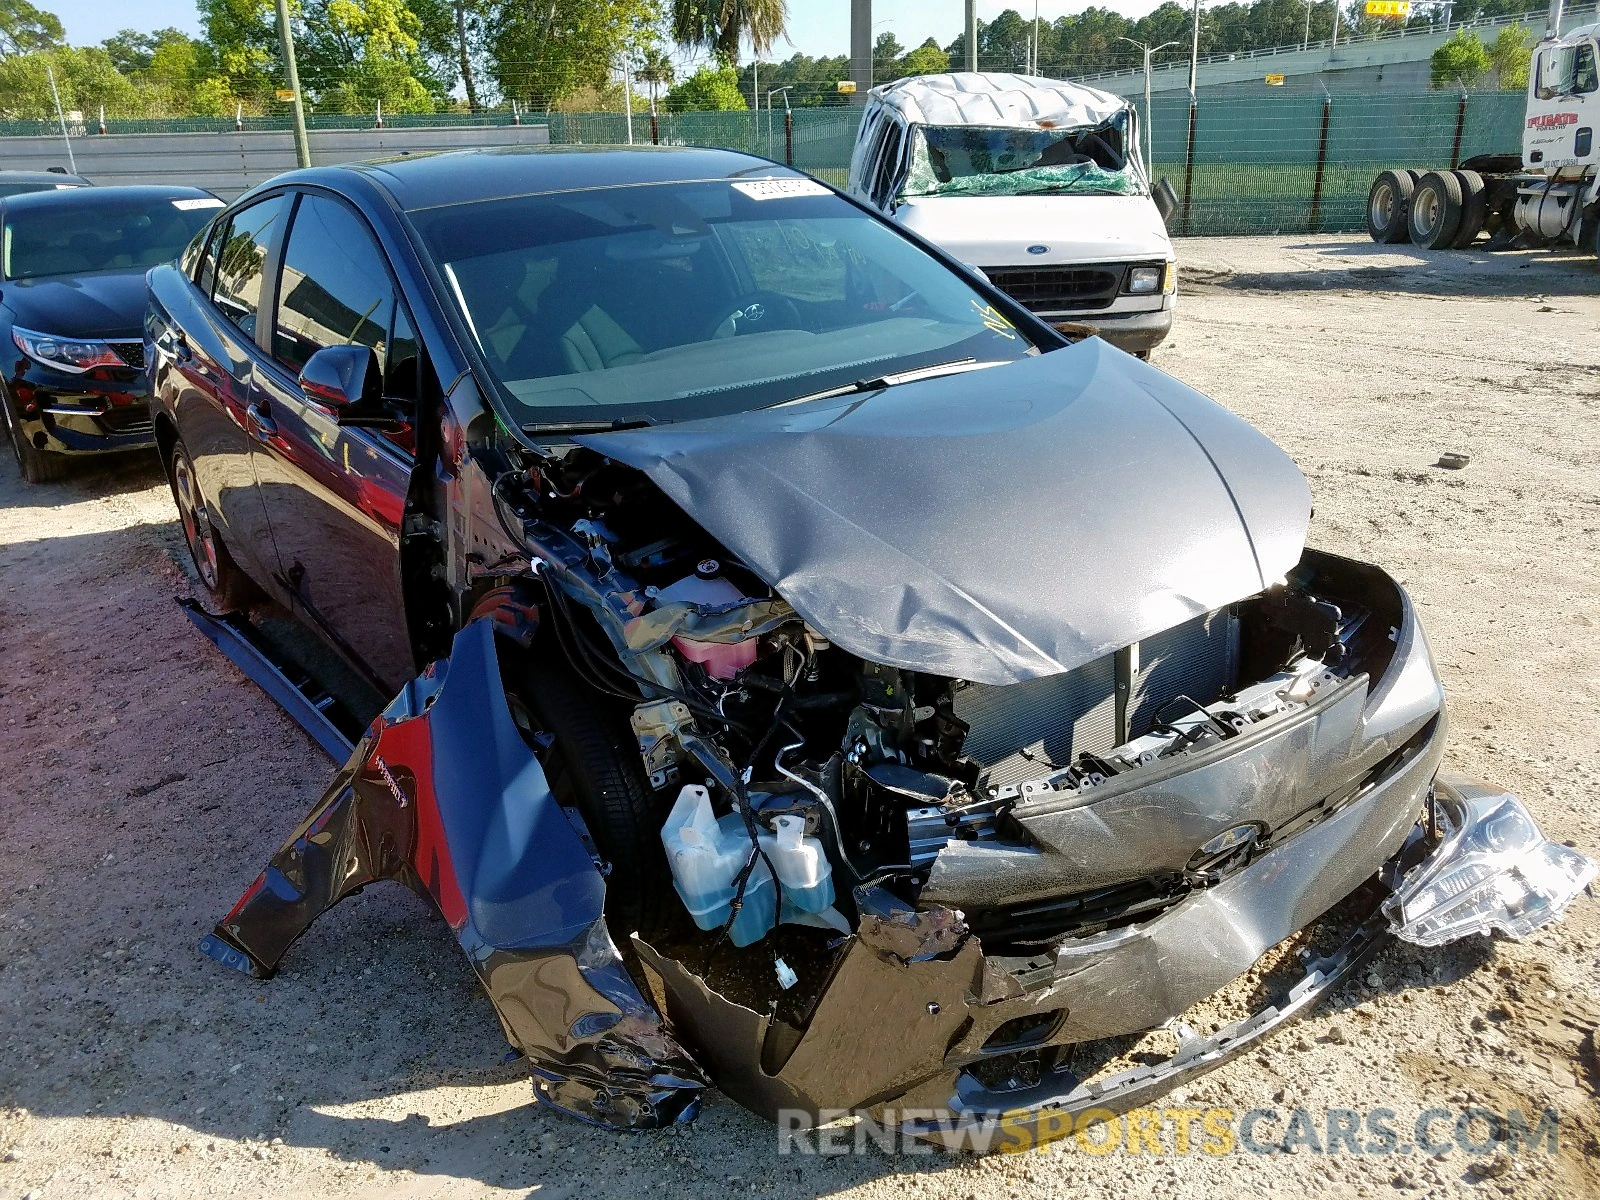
[145,782]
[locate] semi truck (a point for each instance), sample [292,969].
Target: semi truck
[1548,194]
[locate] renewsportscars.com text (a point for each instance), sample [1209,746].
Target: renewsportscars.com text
[1377,1131]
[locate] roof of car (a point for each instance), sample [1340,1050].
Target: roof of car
[57,177]
[996,99]
[102,195]
[430,180]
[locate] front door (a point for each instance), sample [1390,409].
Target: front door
[335,496]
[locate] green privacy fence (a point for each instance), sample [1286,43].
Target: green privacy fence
[1254,168]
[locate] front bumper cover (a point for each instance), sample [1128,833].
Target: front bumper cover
[444,795]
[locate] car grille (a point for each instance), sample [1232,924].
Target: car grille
[1024,730]
[1051,290]
[131,353]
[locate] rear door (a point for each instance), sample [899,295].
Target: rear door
[215,357]
[335,496]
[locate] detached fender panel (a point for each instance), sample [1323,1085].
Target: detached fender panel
[444,795]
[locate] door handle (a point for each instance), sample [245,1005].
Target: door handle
[261,422]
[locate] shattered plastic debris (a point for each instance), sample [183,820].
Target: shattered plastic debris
[1494,870]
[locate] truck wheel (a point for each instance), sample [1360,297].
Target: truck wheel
[1474,208]
[1436,208]
[1388,205]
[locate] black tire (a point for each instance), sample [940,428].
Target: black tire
[226,588]
[1389,207]
[593,765]
[1436,210]
[36,465]
[1474,208]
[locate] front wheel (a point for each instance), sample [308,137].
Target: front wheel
[37,466]
[227,588]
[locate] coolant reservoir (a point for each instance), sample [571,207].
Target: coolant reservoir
[721,660]
[801,865]
[706,856]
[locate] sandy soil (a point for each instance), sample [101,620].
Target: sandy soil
[145,781]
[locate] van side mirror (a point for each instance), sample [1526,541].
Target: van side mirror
[1166,200]
[345,381]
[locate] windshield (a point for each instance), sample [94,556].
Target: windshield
[672,301]
[80,232]
[977,160]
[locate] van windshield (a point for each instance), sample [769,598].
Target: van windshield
[978,160]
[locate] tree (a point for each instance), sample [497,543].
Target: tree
[25,29]
[710,89]
[356,54]
[886,55]
[926,59]
[451,40]
[1460,61]
[544,51]
[1510,56]
[655,71]
[243,36]
[721,25]
[86,77]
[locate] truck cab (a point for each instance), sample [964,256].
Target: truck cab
[1039,183]
[1563,104]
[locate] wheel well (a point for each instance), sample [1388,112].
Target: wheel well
[166,439]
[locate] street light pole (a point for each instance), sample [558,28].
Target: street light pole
[302,146]
[972,35]
[1149,123]
[1194,51]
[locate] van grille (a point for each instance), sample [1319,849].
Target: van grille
[1049,291]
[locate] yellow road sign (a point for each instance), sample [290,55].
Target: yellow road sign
[846,87]
[1273,80]
[1388,8]
[284,94]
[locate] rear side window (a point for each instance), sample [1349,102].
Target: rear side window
[241,260]
[336,289]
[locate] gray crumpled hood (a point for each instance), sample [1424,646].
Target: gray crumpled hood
[996,526]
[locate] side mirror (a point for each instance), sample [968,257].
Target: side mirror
[1166,200]
[344,380]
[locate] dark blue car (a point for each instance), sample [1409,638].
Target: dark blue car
[72,300]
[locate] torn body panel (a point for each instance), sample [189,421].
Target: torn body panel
[444,795]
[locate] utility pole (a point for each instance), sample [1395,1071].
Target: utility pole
[1149,123]
[1194,51]
[861,49]
[302,145]
[1036,37]
[972,35]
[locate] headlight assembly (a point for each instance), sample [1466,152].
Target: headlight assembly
[74,355]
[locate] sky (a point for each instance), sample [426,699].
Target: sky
[816,27]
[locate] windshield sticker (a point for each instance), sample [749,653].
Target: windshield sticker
[780,189]
[993,321]
[197,202]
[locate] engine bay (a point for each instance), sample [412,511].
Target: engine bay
[800,785]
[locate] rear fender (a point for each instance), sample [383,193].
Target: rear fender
[443,794]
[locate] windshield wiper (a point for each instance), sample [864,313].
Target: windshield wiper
[539,428]
[877,383]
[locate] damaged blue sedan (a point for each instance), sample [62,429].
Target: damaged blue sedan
[814,676]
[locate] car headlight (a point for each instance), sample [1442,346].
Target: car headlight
[1145,281]
[75,355]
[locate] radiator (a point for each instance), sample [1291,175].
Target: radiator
[1022,730]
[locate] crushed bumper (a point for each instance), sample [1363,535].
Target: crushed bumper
[1136,332]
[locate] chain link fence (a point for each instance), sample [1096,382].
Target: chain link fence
[1287,163]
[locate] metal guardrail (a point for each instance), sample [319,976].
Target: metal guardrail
[1182,64]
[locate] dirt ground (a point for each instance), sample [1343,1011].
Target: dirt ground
[143,782]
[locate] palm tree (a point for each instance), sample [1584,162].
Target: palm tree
[655,71]
[720,25]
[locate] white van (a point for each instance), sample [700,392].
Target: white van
[1039,183]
